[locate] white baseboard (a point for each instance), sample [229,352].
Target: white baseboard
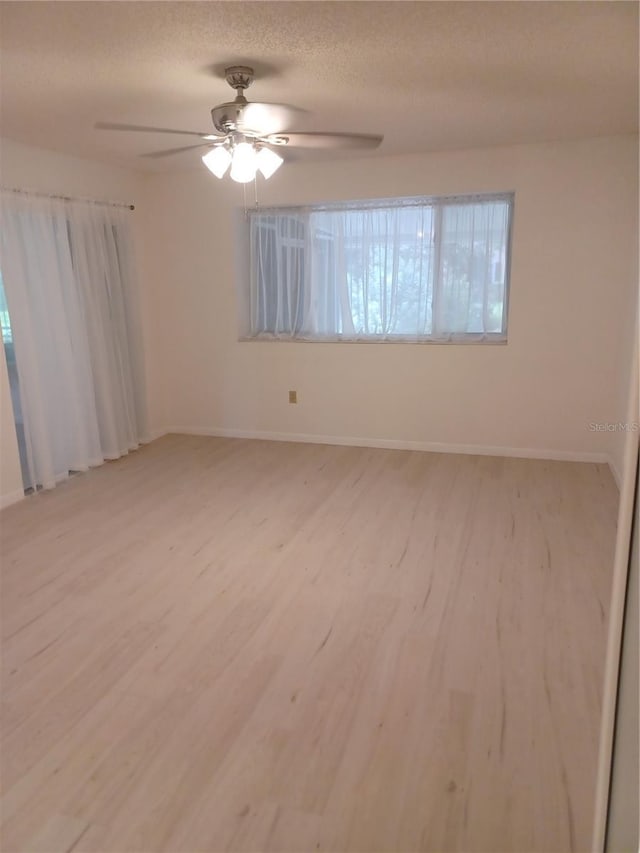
[382,443]
[398,444]
[11,498]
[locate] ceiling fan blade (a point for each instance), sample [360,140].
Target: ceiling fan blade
[264,119]
[110,125]
[168,151]
[331,140]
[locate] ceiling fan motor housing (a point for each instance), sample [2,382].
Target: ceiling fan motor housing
[228,117]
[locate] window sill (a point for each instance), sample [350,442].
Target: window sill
[455,340]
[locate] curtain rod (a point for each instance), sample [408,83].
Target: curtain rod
[68,198]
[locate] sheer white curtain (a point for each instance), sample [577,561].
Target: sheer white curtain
[68,276]
[432,271]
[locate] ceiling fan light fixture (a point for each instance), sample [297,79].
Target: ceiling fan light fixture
[243,163]
[217,161]
[268,161]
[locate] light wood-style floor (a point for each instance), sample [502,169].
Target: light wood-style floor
[218,644]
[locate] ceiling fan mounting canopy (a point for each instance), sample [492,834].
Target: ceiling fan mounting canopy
[239,76]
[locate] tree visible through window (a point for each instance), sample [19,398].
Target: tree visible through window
[399,269]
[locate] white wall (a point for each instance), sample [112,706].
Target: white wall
[25,167]
[629,340]
[574,270]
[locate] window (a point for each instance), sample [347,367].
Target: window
[5,322]
[411,269]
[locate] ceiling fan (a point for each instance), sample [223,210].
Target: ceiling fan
[247,133]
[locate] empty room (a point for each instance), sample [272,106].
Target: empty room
[319,427]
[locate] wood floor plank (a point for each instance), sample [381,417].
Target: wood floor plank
[219,644]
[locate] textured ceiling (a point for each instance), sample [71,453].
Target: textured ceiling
[428,75]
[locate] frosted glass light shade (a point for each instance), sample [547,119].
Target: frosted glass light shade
[243,164]
[268,161]
[217,161]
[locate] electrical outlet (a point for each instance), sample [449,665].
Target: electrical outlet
[293,396]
